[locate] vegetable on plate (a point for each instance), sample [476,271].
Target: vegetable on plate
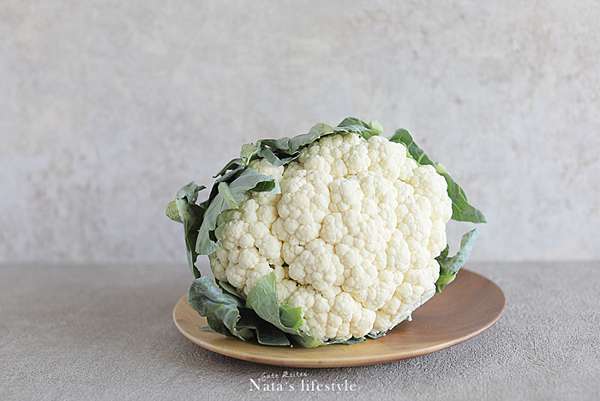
[329,237]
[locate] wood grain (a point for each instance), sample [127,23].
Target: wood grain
[471,304]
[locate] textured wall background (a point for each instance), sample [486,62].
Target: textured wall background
[106,107]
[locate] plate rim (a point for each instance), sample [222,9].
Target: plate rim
[350,361]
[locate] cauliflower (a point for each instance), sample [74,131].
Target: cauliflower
[352,237]
[331,236]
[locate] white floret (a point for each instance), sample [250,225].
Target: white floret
[352,236]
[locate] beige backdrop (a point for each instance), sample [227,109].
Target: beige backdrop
[107,107]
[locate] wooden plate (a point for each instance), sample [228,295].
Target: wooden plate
[468,306]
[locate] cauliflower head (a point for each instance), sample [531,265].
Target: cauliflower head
[352,236]
[333,236]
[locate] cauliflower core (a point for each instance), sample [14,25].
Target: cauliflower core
[352,236]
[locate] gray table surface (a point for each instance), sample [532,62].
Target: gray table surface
[105,333]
